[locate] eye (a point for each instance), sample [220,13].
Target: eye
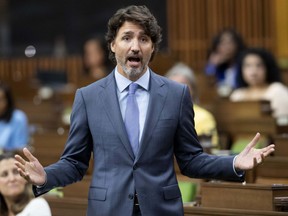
[4,174]
[144,39]
[126,38]
[246,65]
[15,172]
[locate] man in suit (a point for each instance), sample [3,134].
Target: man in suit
[134,122]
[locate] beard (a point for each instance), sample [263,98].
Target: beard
[133,72]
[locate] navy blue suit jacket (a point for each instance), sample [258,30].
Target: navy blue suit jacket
[97,126]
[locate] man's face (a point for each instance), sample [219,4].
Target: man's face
[133,50]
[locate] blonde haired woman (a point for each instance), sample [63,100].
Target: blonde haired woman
[16,198]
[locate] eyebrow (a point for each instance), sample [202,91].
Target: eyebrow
[142,33]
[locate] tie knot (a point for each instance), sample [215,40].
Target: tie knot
[132,88]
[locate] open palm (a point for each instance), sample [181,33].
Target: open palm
[31,170]
[251,157]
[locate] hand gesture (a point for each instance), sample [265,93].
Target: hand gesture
[217,58]
[250,157]
[31,170]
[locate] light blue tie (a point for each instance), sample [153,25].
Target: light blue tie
[132,118]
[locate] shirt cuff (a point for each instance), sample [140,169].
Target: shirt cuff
[239,173]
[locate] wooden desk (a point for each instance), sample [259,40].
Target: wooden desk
[272,171]
[272,168]
[67,206]
[205,211]
[281,142]
[244,117]
[227,109]
[238,196]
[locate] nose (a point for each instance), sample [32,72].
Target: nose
[135,46]
[11,177]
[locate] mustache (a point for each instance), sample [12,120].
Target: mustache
[134,56]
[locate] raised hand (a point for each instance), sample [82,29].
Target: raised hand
[251,157]
[31,170]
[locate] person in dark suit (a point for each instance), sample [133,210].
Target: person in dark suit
[134,121]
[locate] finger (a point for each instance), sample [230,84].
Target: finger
[20,166]
[258,160]
[22,174]
[268,147]
[269,151]
[20,159]
[25,175]
[254,141]
[29,155]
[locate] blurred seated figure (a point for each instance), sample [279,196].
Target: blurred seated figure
[95,58]
[14,128]
[205,123]
[16,198]
[259,79]
[222,58]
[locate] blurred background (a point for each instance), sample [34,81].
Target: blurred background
[45,24]
[45,56]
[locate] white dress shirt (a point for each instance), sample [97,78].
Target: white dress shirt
[142,96]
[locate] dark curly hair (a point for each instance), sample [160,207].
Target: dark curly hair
[236,37]
[272,69]
[140,15]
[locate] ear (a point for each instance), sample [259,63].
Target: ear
[153,48]
[112,46]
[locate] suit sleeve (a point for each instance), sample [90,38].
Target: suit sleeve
[192,161]
[74,161]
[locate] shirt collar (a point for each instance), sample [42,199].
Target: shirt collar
[122,82]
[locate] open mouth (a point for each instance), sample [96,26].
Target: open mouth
[134,61]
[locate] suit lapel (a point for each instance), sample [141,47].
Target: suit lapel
[156,102]
[112,108]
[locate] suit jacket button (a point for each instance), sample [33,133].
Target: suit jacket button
[135,167]
[131,196]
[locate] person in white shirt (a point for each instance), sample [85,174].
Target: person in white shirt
[259,79]
[16,198]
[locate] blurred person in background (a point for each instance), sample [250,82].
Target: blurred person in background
[205,123]
[95,58]
[14,128]
[259,79]
[222,58]
[16,198]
